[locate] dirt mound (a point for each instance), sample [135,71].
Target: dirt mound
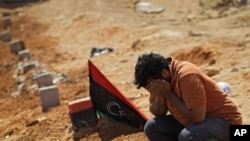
[198,55]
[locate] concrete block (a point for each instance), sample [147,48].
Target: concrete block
[5,36]
[16,46]
[44,79]
[28,66]
[49,97]
[82,113]
[6,22]
[24,54]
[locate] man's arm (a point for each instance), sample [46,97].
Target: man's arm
[195,114]
[158,106]
[161,88]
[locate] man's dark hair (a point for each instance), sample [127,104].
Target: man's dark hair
[149,66]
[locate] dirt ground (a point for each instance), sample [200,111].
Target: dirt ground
[61,33]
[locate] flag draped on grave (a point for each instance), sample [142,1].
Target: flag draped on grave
[109,102]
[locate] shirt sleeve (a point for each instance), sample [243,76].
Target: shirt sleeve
[193,91]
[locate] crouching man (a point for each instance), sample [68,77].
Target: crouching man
[198,109]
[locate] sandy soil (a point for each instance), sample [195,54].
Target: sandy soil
[61,33]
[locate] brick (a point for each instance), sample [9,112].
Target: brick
[24,54]
[80,104]
[44,79]
[49,97]
[6,22]
[16,46]
[5,36]
[82,113]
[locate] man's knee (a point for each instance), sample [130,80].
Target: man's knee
[185,135]
[148,126]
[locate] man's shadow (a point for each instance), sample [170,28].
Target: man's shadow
[107,130]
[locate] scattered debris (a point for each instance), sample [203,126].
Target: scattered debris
[246,38]
[99,51]
[41,119]
[191,33]
[222,3]
[20,79]
[32,123]
[8,133]
[15,94]
[60,77]
[36,121]
[147,7]
[234,69]
[212,71]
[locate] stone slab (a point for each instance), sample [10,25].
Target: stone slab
[28,66]
[5,36]
[49,97]
[44,79]
[6,22]
[16,46]
[24,54]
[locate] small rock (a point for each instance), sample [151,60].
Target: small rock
[20,79]
[234,69]
[9,133]
[41,119]
[15,94]
[148,8]
[32,123]
[20,86]
[212,72]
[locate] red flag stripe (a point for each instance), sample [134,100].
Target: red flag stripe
[99,78]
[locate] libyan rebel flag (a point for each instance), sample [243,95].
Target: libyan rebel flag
[110,103]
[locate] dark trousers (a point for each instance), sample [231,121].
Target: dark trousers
[166,128]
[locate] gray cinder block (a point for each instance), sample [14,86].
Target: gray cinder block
[44,79]
[24,54]
[16,46]
[49,97]
[6,22]
[5,36]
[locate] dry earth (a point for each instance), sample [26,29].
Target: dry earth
[61,33]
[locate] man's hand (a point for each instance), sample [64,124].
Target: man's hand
[159,87]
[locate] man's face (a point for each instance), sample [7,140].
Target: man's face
[165,76]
